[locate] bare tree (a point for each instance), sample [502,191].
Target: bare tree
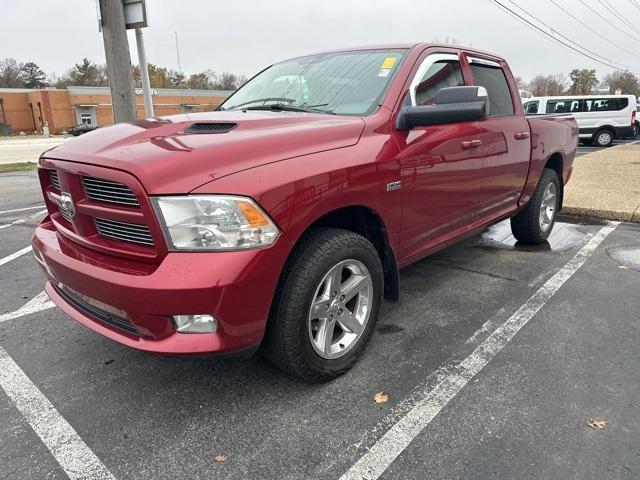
[624,81]
[10,74]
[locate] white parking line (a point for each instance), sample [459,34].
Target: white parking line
[36,304]
[21,209]
[64,443]
[13,256]
[22,220]
[634,143]
[373,463]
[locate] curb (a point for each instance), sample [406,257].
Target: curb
[590,213]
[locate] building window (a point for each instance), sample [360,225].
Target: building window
[85,119]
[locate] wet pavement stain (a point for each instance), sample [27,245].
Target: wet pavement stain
[389,328]
[564,236]
[626,256]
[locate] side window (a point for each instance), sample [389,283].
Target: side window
[566,105]
[531,107]
[493,79]
[441,74]
[618,103]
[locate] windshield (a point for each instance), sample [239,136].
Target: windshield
[343,83]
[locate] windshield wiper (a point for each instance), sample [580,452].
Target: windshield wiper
[278,107]
[263,100]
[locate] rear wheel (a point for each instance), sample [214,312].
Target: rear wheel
[326,305]
[533,225]
[604,137]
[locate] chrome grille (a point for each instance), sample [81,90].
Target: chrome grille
[109,191]
[53,179]
[65,214]
[126,232]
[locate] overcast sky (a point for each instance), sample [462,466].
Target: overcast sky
[243,36]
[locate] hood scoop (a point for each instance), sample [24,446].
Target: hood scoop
[210,127]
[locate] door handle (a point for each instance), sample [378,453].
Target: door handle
[467,144]
[521,135]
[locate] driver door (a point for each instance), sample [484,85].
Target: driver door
[441,167]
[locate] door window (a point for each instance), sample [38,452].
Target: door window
[439,70]
[531,107]
[490,76]
[85,119]
[441,74]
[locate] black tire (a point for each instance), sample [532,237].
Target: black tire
[287,340]
[604,137]
[525,226]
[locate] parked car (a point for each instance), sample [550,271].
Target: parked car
[81,128]
[601,119]
[282,219]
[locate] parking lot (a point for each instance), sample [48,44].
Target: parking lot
[493,361]
[585,149]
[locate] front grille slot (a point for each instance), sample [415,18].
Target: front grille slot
[125,232]
[109,191]
[97,313]
[65,214]
[54,180]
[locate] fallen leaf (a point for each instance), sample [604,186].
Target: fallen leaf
[623,267]
[381,397]
[597,423]
[220,458]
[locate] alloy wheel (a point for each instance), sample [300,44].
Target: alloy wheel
[340,309]
[548,207]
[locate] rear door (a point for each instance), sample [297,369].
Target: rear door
[505,138]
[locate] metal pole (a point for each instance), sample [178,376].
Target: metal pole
[116,49]
[144,74]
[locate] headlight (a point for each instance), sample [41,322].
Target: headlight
[214,222]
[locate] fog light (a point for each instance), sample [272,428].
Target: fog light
[195,323]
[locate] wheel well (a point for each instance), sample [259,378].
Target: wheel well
[605,127]
[555,164]
[367,223]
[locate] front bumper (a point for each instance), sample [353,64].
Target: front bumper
[235,287]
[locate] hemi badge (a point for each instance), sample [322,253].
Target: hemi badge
[394,186]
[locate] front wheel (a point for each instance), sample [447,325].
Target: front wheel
[534,223]
[326,305]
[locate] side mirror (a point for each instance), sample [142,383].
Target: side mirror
[452,105]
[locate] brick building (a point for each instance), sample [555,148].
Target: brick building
[26,110]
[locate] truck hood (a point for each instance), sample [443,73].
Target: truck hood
[179,153]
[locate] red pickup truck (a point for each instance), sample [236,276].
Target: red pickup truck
[281,219]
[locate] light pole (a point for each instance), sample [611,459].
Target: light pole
[144,74]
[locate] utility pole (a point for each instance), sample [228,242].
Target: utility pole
[116,49]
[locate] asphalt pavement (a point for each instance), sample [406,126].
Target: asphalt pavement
[493,361]
[585,149]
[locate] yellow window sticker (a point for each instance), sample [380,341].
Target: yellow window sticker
[388,63]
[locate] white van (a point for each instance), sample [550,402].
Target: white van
[601,118]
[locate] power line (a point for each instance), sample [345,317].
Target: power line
[595,32]
[553,30]
[635,3]
[599,15]
[550,36]
[613,9]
